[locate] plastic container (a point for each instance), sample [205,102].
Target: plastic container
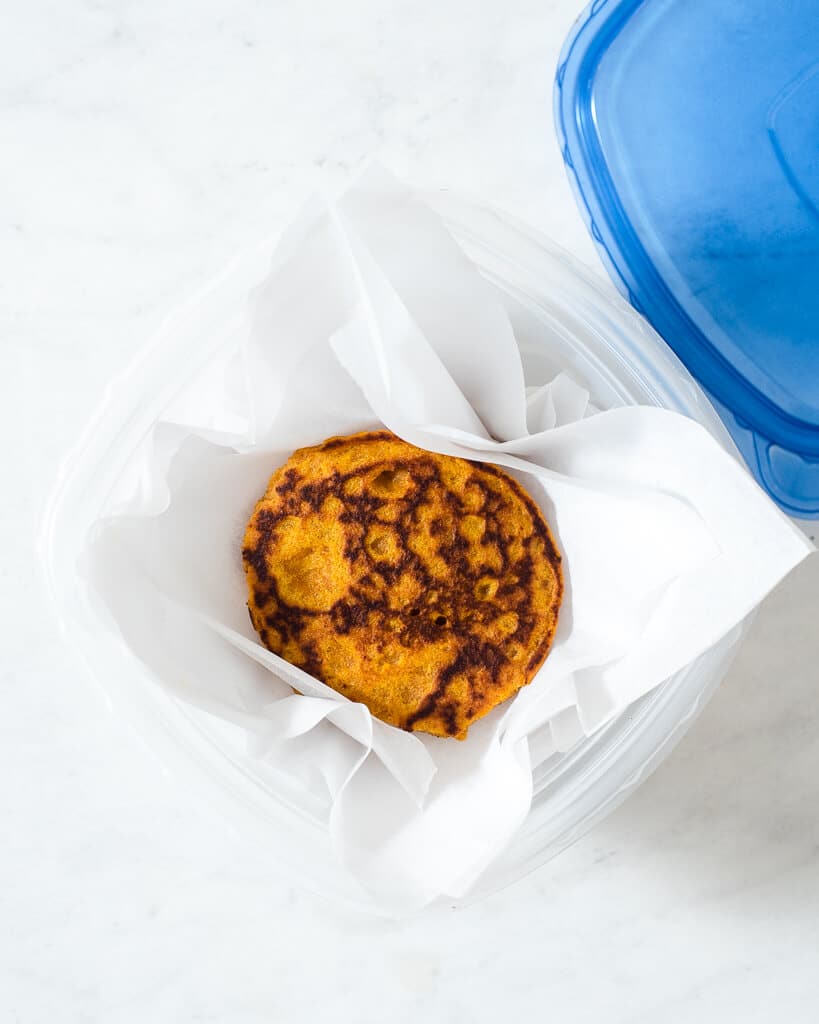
[563,318]
[689,130]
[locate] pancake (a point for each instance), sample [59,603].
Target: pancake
[424,586]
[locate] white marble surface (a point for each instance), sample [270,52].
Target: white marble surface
[142,144]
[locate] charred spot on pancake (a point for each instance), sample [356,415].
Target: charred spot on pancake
[424,586]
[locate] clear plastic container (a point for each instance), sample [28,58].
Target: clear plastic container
[564,318]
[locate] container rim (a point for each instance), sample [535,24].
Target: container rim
[607,766]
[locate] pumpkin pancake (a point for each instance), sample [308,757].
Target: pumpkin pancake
[424,586]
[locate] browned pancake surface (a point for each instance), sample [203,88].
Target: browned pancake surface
[426,587]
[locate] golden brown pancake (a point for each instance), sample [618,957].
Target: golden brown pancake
[424,586]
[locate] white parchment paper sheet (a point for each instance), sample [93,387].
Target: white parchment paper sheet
[371,315]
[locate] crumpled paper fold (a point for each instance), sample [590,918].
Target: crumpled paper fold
[372,315]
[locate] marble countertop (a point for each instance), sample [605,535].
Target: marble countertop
[143,144]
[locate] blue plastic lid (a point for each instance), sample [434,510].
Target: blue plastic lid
[691,132]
